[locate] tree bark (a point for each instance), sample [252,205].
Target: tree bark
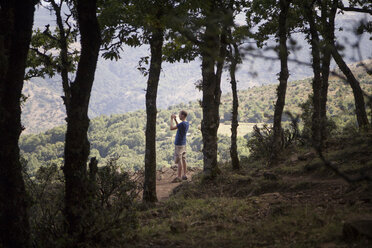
[317,80]
[221,60]
[360,107]
[283,78]
[156,45]
[211,85]
[235,58]
[328,36]
[77,145]
[16,20]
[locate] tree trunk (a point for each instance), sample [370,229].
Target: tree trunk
[16,20]
[360,106]
[156,45]
[77,145]
[235,57]
[283,78]
[211,98]
[328,36]
[317,81]
[221,60]
[63,54]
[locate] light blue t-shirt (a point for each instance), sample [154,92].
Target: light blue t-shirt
[181,133]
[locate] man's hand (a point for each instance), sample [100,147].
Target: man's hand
[172,127]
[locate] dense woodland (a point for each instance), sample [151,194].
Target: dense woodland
[281,185]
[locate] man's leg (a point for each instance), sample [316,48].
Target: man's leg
[184,165]
[178,161]
[179,167]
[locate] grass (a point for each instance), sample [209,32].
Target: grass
[245,222]
[243,128]
[303,208]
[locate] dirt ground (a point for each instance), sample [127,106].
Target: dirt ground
[164,178]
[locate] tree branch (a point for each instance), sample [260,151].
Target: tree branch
[361,10]
[68,31]
[190,36]
[46,58]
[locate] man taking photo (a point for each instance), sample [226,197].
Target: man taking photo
[180,144]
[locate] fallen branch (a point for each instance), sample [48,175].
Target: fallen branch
[347,178]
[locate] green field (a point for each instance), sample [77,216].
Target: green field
[243,129]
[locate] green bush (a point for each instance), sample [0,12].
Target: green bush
[306,117]
[112,220]
[260,142]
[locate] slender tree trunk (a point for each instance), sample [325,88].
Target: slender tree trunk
[16,20]
[221,61]
[63,54]
[234,120]
[283,78]
[360,106]
[235,58]
[77,145]
[317,81]
[156,45]
[328,36]
[211,98]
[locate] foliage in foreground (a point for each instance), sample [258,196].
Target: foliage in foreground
[113,219]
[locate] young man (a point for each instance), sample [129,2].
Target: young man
[180,143]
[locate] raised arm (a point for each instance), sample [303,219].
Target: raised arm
[172,126]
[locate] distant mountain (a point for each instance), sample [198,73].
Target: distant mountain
[119,87]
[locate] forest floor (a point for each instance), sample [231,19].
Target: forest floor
[297,203]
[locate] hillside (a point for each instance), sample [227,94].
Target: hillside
[43,108]
[302,204]
[122,135]
[119,86]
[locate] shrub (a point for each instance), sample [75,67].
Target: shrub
[260,142]
[306,117]
[112,220]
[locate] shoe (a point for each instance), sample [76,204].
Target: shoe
[177,180]
[184,177]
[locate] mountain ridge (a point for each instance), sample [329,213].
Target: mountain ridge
[119,87]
